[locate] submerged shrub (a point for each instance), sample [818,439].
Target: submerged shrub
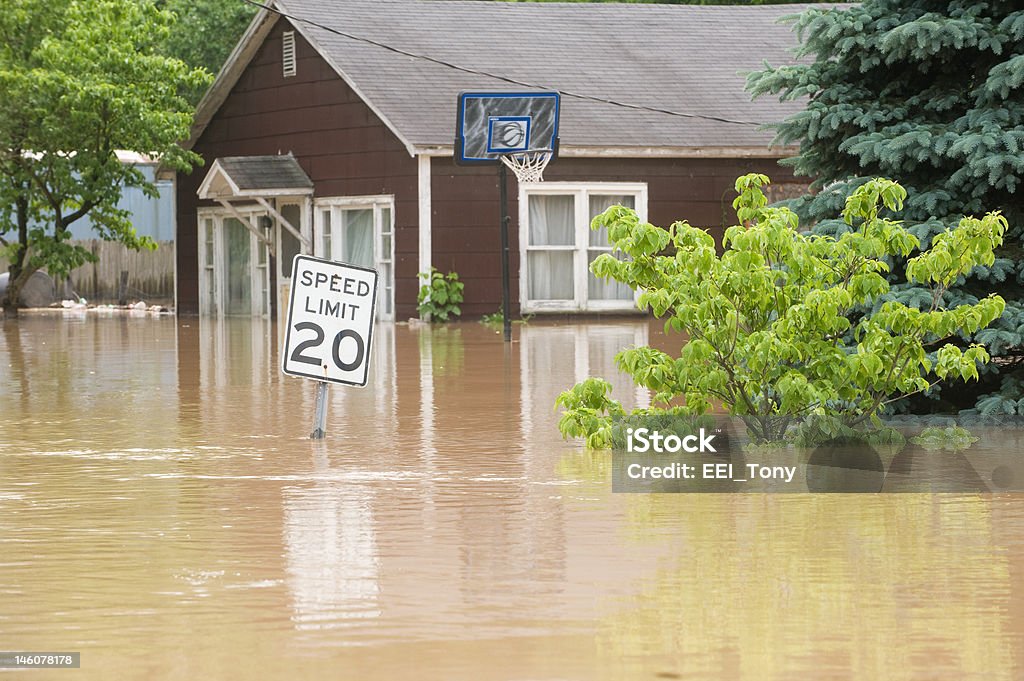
[783,325]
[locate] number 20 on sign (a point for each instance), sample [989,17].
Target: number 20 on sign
[330,321]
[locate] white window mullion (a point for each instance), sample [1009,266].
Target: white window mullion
[582,239]
[259,269]
[378,258]
[220,263]
[524,236]
[265,251]
[384,246]
[307,224]
[337,233]
[207,264]
[324,232]
[254,271]
[641,211]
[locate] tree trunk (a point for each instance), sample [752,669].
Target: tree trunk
[9,311]
[19,270]
[15,283]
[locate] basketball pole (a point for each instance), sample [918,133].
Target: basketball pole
[505,288]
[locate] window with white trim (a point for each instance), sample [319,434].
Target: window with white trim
[359,230]
[556,246]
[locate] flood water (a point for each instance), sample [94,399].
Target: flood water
[163,511]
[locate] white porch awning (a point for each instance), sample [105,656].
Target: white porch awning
[249,177]
[257,178]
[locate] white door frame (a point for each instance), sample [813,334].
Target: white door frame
[259,275]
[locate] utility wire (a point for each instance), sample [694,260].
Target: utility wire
[478,72]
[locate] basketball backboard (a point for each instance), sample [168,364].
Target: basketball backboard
[493,124]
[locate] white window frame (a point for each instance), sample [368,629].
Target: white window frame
[259,273]
[210,276]
[381,255]
[581,192]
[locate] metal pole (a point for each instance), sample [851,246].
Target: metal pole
[505,294]
[320,418]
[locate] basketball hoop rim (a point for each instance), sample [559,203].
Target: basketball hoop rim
[528,165]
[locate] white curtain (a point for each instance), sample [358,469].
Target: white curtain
[551,275]
[552,223]
[357,244]
[600,289]
[552,220]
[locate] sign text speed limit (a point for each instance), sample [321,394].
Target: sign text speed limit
[330,321]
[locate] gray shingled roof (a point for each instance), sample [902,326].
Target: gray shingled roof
[265,172]
[685,58]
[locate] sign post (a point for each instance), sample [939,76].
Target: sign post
[330,327]
[320,412]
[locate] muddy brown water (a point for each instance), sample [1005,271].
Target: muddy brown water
[163,512]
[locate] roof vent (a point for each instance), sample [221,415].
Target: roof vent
[288,53]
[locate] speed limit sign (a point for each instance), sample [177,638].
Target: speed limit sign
[330,321]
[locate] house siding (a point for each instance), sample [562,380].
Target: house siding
[466,233]
[347,150]
[337,139]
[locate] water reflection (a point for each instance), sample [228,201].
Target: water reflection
[893,589]
[163,511]
[333,570]
[554,358]
[65,378]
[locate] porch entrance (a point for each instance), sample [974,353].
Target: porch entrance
[234,264]
[262,221]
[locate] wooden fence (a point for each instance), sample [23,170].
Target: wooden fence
[150,274]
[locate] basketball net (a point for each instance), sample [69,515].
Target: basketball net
[528,165]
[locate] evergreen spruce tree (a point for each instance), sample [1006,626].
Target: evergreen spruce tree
[929,93]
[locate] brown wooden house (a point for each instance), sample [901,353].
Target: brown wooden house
[330,130]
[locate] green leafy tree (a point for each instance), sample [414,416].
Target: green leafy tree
[772,337]
[80,81]
[931,94]
[205,33]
